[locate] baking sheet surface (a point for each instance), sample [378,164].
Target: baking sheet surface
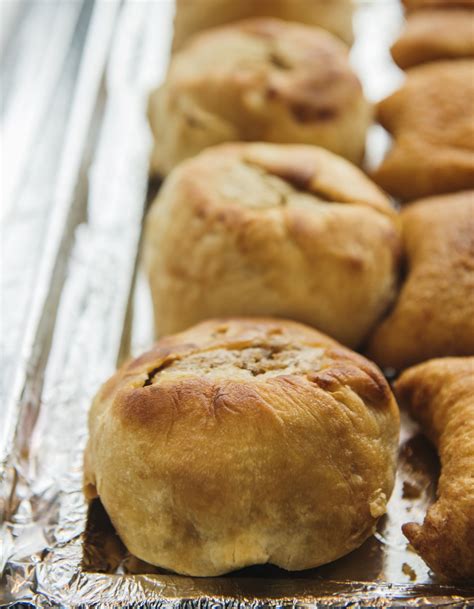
[56,551]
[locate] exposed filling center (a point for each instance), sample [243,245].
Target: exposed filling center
[245,363]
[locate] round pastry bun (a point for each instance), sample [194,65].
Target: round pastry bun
[258,80]
[242,442]
[281,230]
[194,15]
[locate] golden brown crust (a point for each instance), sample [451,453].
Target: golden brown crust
[290,231]
[435,34]
[192,16]
[316,172]
[431,119]
[411,5]
[440,395]
[275,81]
[433,316]
[246,441]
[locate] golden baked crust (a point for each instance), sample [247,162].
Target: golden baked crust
[432,34]
[418,4]
[191,16]
[258,229]
[434,313]
[432,121]
[440,395]
[274,81]
[240,442]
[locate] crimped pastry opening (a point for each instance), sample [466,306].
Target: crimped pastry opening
[241,362]
[254,186]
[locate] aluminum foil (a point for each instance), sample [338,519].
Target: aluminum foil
[57,551]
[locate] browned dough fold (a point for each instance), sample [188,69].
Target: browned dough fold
[440,395]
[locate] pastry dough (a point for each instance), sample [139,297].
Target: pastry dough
[434,313]
[417,4]
[440,395]
[431,119]
[259,80]
[241,442]
[195,15]
[434,34]
[258,229]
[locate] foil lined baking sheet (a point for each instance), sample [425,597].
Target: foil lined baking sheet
[90,308]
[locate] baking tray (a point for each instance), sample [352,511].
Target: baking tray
[79,305]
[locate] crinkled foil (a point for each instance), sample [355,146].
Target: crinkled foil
[56,550]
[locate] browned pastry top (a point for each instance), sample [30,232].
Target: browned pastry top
[263,176]
[288,55]
[246,350]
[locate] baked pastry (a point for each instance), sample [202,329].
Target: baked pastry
[432,121]
[440,395]
[259,229]
[241,442]
[411,5]
[432,34]
[191,16]
[434,313]
[274,81]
